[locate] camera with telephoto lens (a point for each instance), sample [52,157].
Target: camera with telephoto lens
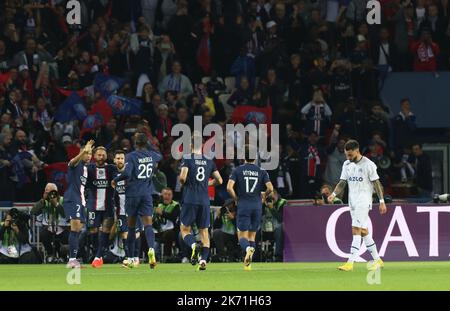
[18,218]
[52,195]
[441,198]
[228,207]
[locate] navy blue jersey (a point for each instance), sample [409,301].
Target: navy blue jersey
[249,180]
[195,190]
[119,197]
[76,182]
[139,168]
[99,190]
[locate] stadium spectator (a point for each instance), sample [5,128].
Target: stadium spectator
[423,169]
[377,122]
[336,157]
[242,95]
[54,231]
[312,156]
[384,55]
[244,65]
[404,126]
[6,168]
[294,77]
[177,82]
[340,83]
[425,52]
[163,127]
[317,114]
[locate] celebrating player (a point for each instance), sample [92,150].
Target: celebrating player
[194,176]
[139,167]
[99,202]
[249,180]
[360,174]
[74,201]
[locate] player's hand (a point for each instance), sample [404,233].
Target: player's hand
[89,145]
[230,216]
[331,198]
[158,211]
[113,184]
[383,208]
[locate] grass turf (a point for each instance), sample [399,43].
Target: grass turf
[230,276]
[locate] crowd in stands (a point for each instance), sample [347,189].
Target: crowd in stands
[316,64]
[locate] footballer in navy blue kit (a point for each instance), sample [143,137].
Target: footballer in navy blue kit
[196,169]
[100,202]
[74,200]
[249,180]
[139,167]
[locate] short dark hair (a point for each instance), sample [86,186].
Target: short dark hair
[351,145]
[141,140]
[405,99]
[119,151]
[417,144]
[167,188]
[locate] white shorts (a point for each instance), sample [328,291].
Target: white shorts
[360,217]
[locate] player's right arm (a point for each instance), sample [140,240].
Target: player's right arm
[340,187]
[337,190]
[87,148]
[183,175]
[230,186]
[217,179]
[230,190]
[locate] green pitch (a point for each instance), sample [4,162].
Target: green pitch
[264,276]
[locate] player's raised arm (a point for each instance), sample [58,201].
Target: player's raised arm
[337,190]
[217,179]
[87,149]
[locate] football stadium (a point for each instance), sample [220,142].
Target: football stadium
[224,145]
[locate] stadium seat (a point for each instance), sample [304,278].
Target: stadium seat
[230,83]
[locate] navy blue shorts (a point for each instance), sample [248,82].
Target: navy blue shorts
[248,219]
[74,210]
[139,206]
[198,213]
[96,217]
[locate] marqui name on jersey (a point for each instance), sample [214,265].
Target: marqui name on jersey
[145,160]
[250,173]
[200,162]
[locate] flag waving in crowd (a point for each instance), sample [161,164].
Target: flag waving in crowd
[71,109]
